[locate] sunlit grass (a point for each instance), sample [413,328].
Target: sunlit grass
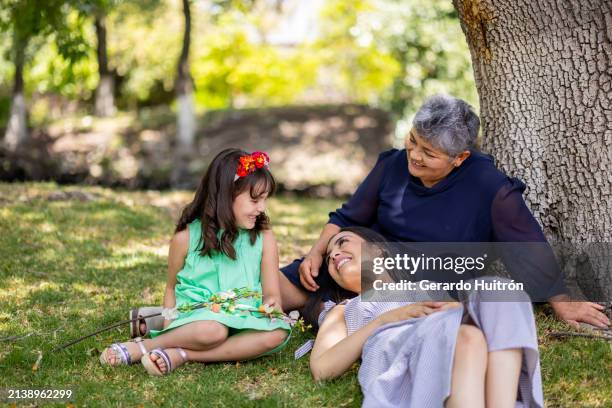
[69,267]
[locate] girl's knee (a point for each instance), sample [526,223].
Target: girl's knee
[471,339]
[274,338]
[210,332]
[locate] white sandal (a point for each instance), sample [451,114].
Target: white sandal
[122,353]
[152,367]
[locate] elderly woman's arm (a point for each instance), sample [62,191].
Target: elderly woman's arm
[309,268]
[536,265]
[335,351]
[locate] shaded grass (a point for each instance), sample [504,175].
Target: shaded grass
[69,267]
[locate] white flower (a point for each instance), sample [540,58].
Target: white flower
[294,315]
[227,295]
[170,314]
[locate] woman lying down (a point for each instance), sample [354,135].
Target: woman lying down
[423,354]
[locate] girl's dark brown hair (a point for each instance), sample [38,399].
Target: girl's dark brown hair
[329,289]
[212,203]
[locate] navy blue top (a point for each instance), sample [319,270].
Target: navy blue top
[475,203]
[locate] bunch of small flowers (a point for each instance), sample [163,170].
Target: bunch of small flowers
[217,302]
[227,301]
[249,163]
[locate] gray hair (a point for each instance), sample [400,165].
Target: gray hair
[448,123]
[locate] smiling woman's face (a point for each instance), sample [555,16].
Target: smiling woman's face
[428,163]
[344,260]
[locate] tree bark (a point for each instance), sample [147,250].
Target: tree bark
[184,95]
[544,78]
[105,93]
[17,130]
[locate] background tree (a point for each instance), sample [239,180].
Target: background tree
[542,69]
[105,91]
[29,22]
[184,88]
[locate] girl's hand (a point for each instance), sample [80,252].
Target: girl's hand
[415,310]
[272,302]
[309,270]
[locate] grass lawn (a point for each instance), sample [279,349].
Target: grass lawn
[70,266]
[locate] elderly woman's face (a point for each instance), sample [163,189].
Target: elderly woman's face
[344,260]
[426,162]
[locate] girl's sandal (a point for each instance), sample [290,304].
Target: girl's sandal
[121,356]
[151,366]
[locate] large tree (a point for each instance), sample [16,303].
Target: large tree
[544,76]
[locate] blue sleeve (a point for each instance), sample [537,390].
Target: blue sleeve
[533,264]
[361,208]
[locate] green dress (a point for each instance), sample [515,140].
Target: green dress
[203,276]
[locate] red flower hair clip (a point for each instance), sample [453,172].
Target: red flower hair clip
[249,163]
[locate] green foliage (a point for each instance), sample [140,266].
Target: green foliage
[361,67]
[144,42]
[408,49]
[65,64]
[6,77]
[230,69]
[389,53]
[29,21]
[50,36]
[426,39]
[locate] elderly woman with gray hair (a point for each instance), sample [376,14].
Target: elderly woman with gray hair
[438,189]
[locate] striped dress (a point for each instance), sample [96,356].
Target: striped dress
[409,363]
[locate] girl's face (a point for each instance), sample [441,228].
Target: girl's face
[246,209]
[344,260]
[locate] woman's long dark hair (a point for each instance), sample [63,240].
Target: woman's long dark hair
[212,203]
[331,290]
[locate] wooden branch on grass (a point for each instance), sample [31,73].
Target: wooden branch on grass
[606,335]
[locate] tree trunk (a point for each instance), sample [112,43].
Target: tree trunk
[543,73]
[105,93]
[17,129]
[185,125]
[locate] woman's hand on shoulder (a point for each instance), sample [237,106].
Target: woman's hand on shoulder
[309,270]
[415,310]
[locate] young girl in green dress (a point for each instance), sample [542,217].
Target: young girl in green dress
[222,242]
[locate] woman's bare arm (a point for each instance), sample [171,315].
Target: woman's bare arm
[335,351]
